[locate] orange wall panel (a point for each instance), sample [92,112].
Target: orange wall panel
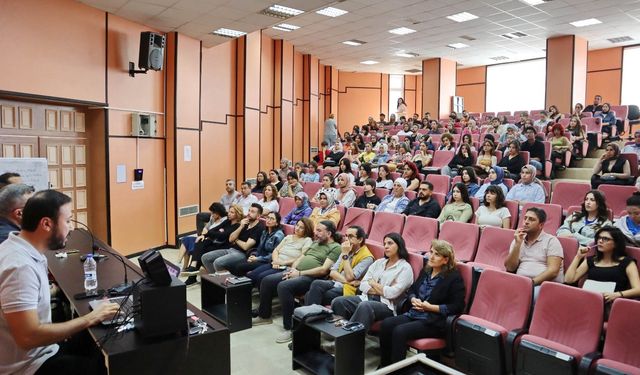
[218,138]
[410,94]
[287,130]
[606,83]
[252,69]
[605,59]
[314,103]
[348,79]
[384,97]
[430,86]
[559,72]
[277,97]
[471,75]
[53,48]
[447,85]
[333,105]
[579,71]
[188,193]
[144,92]
[474,97]
[143,206]
[188,85]
[359,97]
[418,95]
[218,82]
[298,126]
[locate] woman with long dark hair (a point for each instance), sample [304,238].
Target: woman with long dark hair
[269,240]
[493,211]
[262,180]
[583,225]
[459,207]
[611,168]
[461,159]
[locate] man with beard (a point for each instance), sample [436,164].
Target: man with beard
[28,339]
[424,205]
[12,200]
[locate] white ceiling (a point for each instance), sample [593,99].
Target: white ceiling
[370,20]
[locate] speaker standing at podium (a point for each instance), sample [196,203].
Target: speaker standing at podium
[27,337]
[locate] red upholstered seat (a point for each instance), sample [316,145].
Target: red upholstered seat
[358,216]
[418,232]
[463,237]
[384,223]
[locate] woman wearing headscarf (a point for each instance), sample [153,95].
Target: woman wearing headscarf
[529,189]
[302,209]
[327,210]
[496,177]
[611,168]
[346,195]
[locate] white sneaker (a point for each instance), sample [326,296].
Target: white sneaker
[285,337]
[258,321]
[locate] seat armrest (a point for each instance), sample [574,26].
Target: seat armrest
[586,362]
[510,349]
[449,334]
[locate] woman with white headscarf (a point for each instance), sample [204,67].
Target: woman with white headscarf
[529,189]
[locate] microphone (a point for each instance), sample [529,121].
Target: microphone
[118,289]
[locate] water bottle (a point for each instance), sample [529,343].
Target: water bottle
[90,275]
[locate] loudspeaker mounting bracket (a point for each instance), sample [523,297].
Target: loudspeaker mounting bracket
[133,71]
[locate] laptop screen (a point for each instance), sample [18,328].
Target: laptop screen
[174,270]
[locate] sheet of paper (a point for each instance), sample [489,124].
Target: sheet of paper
[599,286]
[187,153]
[121,173]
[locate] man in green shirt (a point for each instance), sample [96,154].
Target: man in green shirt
[314,264]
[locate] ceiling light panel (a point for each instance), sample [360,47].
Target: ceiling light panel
[280,11]
[228,33]
[353,42]
[462,17]
[332,12]
[620,39]
[587,22]
[406,54]
[457,45]
[369,62]
[286,27]
[402,31]
[534,2]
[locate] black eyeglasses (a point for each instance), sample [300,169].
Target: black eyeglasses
[604,239]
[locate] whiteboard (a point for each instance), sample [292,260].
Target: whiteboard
[34,171]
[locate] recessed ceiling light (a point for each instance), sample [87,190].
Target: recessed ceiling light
[514,35]
[587,22]
[534,2]
[402,31]
[457,45]
[620,39]
[353,42]
[229,33]
[414,70]
[462,17]
[406,54]
[286,27]
[467,37]
[332,12]
[368,62]
[281,11]
[499,58]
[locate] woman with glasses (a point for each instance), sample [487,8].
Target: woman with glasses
[609,264]
[611,168]
[583,225]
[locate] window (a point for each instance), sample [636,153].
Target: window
[630,76]
[396,90]
[516,86]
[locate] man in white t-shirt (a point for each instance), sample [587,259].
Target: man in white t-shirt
[245,199]
[28,338]
[534,253]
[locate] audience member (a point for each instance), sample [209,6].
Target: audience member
[13,198]
[559,146]
[302,209]
[493,211]
[512,162]
[463,158]
[327,210]
[368,199]
[535,148]
[262,180]
[543,121]
[577,110]
[633,148]
[578,136]
[382,287]
[554,114]
[609,264]
[327,188]
[534,253]
[486,159]
[422,158]
[243,239]
[312,174]
[424,205]
[396,201]
[382,154]
[364,173]
[411,175]
[346,195]
[459,207]
[245,199]
[437,293]
[291,187]
[611,169]
[607,120]
[336,153]
[446,143]
[274,178]
[229,198]
[9,178]
[496,177]
[218,215]
[629,224]
[269,200]
[322,153]
[330,130]
[344,166]
[285,168]
[314,264]
[270,238]
[298,168]
[583,225]
[30,343]
[529,189]
[595,107]
[384,180]
[346,274]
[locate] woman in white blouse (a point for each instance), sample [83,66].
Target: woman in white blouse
[384,283]
[269,201]
[493,212]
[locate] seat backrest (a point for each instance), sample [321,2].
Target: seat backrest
[441,158]
[494,246]
[361,217]
[286,205]
[377,249]
[418,232]
[311,188]
[569,250]
[525,156]
[411,194]
[463,237]
[572,209]
[504,113]
[440,182]
[632,158]
[343,212]
[554,215]
[382,192]
[621,111]
[617,196]
[569,193]
[417,264]
[466,271]
[623,332]
[384,223]
[634,252]
[569,316]
[513,208]
[510,307]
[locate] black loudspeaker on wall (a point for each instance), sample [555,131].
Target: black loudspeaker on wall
[151,51]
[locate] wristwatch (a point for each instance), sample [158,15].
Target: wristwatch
[345,257]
